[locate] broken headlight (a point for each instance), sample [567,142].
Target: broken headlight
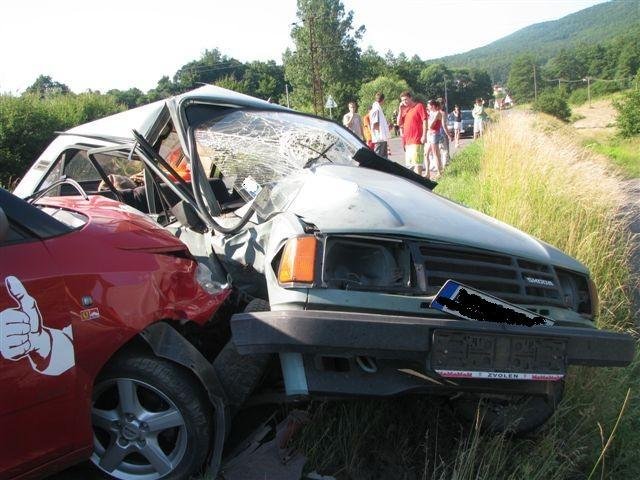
[578,292]
[353,263]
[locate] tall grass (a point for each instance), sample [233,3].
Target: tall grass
[526,173]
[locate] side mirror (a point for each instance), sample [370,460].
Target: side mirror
[4,225]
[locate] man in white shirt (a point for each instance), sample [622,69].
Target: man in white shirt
[353,121]
[379,127]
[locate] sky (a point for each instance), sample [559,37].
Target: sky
[100,45]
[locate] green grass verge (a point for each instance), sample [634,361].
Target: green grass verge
[556,192]
[625,153]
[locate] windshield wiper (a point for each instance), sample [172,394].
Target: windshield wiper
[323,153]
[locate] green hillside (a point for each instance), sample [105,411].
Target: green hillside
[544,40]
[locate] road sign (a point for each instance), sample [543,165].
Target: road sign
[331,103]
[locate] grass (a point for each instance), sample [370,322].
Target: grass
[625,153]
[563,194]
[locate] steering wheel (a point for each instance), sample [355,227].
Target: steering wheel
[41,193]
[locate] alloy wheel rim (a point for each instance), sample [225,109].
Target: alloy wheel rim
[138,432]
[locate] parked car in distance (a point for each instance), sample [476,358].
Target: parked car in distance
[466,126]
[90,291]
[355,277]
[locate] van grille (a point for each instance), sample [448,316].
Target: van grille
[503,276]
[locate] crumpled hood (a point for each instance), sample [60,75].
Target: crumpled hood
[343,199]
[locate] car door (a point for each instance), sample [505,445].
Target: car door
[38,398]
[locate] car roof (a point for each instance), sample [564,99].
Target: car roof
[143,118]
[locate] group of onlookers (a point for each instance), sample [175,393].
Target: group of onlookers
[419,126]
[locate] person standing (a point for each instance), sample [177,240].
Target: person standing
[478,118]
[445,138]
[379,127]
[413,132]
[396,127]
[457,123]
[366,131]
[352,120]
[434,135]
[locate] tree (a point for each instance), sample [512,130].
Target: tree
[553,103]
[628,119]
[131,98]
[432,80]
[372,65]
[264,80]
[28,124]
[230,83]
[521,78]
[408,69]
[164,89]
[45,86]
[209,68]
[567,66]
[326,55]
[464,86]
[392,86]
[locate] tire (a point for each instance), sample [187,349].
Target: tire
[514,415]
[150,420]
[241,374]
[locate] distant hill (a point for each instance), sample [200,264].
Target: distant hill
[544,40]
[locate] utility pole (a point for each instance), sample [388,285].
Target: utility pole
[535,84]
[446,100]
[588,80]
[286,89]
[315,76]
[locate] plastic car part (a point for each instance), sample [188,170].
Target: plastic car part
[298,260]
[150,420]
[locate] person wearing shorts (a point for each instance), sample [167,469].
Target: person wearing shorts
[414,127]
[457,123]
[478,118]
[435,134]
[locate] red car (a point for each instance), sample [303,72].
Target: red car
[96,302]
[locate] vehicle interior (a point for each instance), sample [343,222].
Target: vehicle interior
[120,174]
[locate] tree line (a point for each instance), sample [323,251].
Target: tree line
[326,60]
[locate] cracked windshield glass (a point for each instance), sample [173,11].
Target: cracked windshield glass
[252,149]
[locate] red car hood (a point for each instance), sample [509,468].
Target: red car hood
[126,227]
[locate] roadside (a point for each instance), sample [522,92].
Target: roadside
[397,153]
[631,189]
[596,125]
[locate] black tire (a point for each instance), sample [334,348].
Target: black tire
[514,415]
[173,419]
[241,374]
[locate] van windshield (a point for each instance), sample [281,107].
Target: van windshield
[252,149]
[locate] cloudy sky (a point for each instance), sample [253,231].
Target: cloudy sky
[121,44]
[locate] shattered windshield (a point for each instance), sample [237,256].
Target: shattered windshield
[253,149]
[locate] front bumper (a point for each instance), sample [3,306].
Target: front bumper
[346,354]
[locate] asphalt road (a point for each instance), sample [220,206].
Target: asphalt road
[397,153]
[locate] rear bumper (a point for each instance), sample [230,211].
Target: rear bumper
[421,346]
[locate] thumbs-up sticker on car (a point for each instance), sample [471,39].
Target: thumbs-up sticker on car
[23,334]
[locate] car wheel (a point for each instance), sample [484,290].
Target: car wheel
[150,420]
[512,414]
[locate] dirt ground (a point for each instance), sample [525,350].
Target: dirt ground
[598,119]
